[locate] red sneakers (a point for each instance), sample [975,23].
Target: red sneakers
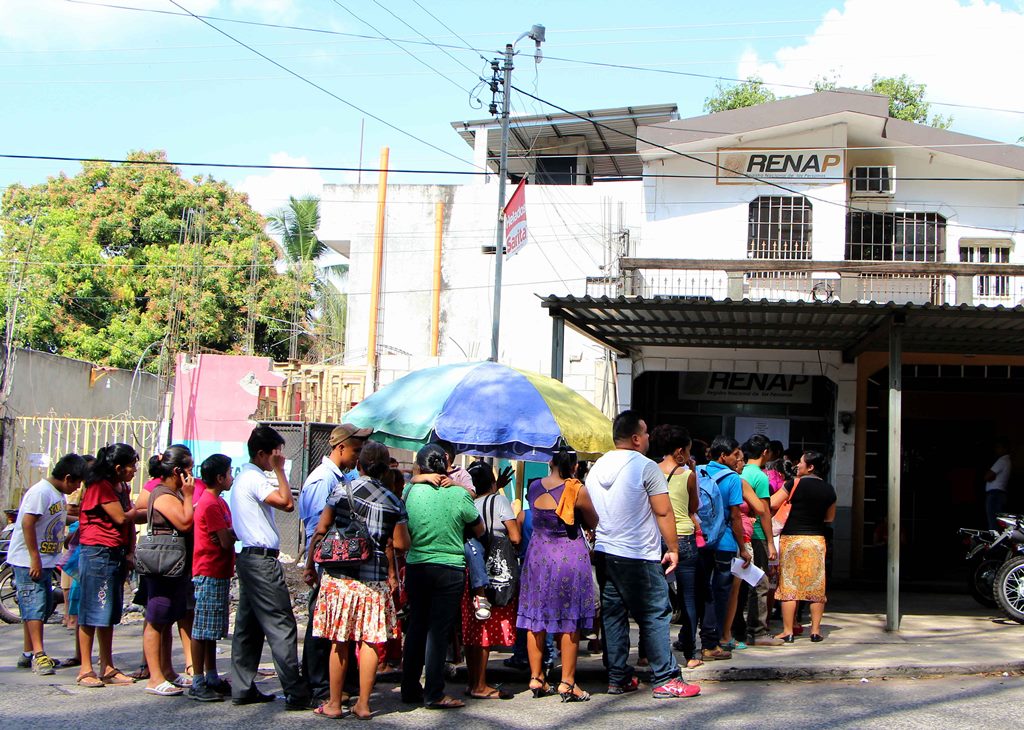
[675,688]
[632,684]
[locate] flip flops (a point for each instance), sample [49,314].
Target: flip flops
[165,689]
[89,680]
[496,693]
[320,712]
[116,677]
[445,703]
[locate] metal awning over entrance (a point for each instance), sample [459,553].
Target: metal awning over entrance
[627,323]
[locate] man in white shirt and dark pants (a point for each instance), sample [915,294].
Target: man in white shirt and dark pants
[264,603]
[996,480]
[630,495]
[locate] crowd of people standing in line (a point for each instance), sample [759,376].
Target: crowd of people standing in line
[601,550]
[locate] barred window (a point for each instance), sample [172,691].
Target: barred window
[895,236]
[779,228]
[981,251]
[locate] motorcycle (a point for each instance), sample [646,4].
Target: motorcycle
[988,550]
[1009,581]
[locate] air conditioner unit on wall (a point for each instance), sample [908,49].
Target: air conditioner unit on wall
[873,181]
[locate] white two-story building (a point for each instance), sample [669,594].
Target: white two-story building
[745,271]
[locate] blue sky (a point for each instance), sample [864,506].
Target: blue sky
[83,80]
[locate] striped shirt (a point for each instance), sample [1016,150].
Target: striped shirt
[381,511]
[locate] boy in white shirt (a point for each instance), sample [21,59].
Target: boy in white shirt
[33,553]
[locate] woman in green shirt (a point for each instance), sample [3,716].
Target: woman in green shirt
[434,575]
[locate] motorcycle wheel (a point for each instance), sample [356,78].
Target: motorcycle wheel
[9,612]
[981,581]
[1009,589]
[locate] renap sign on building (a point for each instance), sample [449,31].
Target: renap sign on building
[515,220]
[742,166]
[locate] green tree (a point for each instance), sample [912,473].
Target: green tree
[297,225]
[102,262]
[906,98]
[747,93]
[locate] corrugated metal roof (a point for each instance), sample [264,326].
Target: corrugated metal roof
[532,135]
[628,323]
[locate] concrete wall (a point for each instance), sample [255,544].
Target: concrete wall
[50,384]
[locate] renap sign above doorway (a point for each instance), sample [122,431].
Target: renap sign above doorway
[743,166]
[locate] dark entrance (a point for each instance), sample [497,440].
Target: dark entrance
[661,398]
[951,416]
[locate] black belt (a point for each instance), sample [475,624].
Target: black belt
[266,552]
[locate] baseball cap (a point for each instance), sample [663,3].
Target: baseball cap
[346,431]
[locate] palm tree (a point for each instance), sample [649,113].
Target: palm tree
[297,225]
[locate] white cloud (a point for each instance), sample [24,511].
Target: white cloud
[966,53]
[270,191]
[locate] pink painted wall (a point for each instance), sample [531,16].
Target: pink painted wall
[215,396]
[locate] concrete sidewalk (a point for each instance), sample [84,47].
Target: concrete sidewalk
[940,635]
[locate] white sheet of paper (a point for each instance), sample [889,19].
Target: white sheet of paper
[751,574]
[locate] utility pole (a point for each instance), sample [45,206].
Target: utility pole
[537,34]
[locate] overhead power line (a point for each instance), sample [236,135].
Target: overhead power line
[317,86]
[468,47]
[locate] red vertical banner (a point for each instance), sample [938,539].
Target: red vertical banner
[515,220]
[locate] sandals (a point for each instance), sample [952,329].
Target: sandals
[445,703]
[182,681]
[321,712]
[542,690]
[734,645]
[89,679]
[570,695]
[141,673]
[496,693]
[71,662]
[165,689]
[694,663]
[117,677]
[715,654]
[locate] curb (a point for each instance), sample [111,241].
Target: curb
[590,673]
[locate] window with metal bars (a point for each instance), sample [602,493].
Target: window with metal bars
[779,228]
[987,252]
[895,236]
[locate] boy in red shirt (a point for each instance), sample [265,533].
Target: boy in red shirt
[212,567]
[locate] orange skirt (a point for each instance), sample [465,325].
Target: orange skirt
[801,568]
[348,610]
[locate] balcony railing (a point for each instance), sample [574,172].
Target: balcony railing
[847,281]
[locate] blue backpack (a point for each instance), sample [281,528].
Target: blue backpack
[711,506]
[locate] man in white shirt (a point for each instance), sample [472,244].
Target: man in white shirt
[264,603]
[33,553]
[630,495]
[996,480]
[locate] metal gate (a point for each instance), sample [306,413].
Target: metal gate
[37,442]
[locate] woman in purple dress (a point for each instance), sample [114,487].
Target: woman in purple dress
[556,590]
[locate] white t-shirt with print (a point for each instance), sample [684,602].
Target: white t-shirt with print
[44,500]
[251,517]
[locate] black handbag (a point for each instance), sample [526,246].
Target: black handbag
[347,546]
[501,560]
[160,554]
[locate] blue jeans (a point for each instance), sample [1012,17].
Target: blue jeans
[101,574]
[475,562]
[995,502]
[718,569]
[686,589]
[637,588]
[35,597]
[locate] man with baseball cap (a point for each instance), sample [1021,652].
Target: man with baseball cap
[346,441]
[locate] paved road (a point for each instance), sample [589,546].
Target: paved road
[974,701]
